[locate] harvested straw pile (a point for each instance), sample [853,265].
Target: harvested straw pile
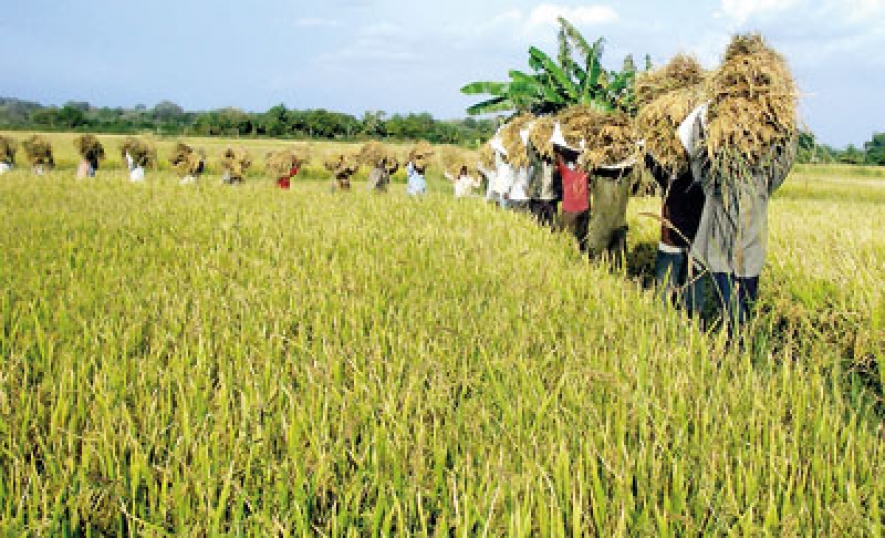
[606,139]
[143,153]
[420,154]
[341,165]
[280,163]
[236,161]
[89,148]
[669,95]
[8,147]
[542,130]
[187,161]
[487,157]
[683,71]
[455,159]
[752,115]
[377,155]
[38,150]
[517,153]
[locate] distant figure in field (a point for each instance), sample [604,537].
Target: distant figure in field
[138,154]
[575,215]
[503,177]
[235,162]
[136,171]
[463,183]
[285,181]
[545,187]
[8,147]
[342,167]
[417,185]
[91,153]
[39,153]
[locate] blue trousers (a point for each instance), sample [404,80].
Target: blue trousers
[736,297]
[677,284]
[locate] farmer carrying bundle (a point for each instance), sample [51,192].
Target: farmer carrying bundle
[666,97]
[342,167]
[38,151]
[91,154]
[741,146]
[515,139]
[382,163]
[188,162]
[235,162]
[419,158]
[284,165]
[459,170]
[8,147]
[545,186]
[138,155]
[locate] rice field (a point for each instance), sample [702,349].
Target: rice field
[203,361]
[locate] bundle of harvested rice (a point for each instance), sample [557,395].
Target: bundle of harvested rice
[341,165]
[376,155]
[752,116]
[511,137]
[542,131]
[8,147]
[683,71]
[143,153]
[487,156]
[454,160]
[235,161]
[420,154]
[38,151]
[280,163]
[187,161]
[606,139]
[89,148]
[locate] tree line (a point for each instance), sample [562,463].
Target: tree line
[167,118]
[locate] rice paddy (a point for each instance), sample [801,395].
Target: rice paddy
[210,360]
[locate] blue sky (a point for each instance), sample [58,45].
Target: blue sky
[413,56]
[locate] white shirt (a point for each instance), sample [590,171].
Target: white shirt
[519,189]
[464,186]
[503,177]
[5,167]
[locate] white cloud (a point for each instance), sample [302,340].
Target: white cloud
[548,15]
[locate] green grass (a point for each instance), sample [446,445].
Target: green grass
[204,361]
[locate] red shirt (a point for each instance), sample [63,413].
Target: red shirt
[285,181]
[574,190]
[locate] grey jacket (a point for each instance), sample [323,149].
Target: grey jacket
[733,233]
[543,184]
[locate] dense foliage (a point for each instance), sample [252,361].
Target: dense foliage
[280,122]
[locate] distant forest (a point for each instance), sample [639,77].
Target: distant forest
[167,118]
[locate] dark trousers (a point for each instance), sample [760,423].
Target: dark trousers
[736,297]
[544,211]
[678,283]
[576,224]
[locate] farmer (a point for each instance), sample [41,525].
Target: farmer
[503,175]
[575,196]
[285,181]
[417,186]
[379,177]
[87,167]
[6,166]
[545,187]
[490,176]
[464,183]
[610,192]
[136,171]
[732,236]
[683,202]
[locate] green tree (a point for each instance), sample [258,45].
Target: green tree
[875,150]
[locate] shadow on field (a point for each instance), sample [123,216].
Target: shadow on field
[641,263]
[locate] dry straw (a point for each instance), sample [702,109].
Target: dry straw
[511,138]
[143,153]
[38,150]
[89,148]
[752,115]
[455,160]
[341,165]
[186,160]
[8,147]
[420,154]
[668,95]
[542,131]
[236,161]
[377,155]
[607,139]
[487,156]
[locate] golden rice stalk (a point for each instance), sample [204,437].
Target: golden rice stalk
[143,153]
[236,161]
[421,151]
[683,71]
[341,165]
[608,139]
[487,156]
[89,147]
[186,160]
[377,155]
[517,153]
[658,121]
[280,163]
[38,150]
[752,113]
[542,130]
[8,147]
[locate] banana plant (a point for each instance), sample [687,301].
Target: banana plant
[554,85]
